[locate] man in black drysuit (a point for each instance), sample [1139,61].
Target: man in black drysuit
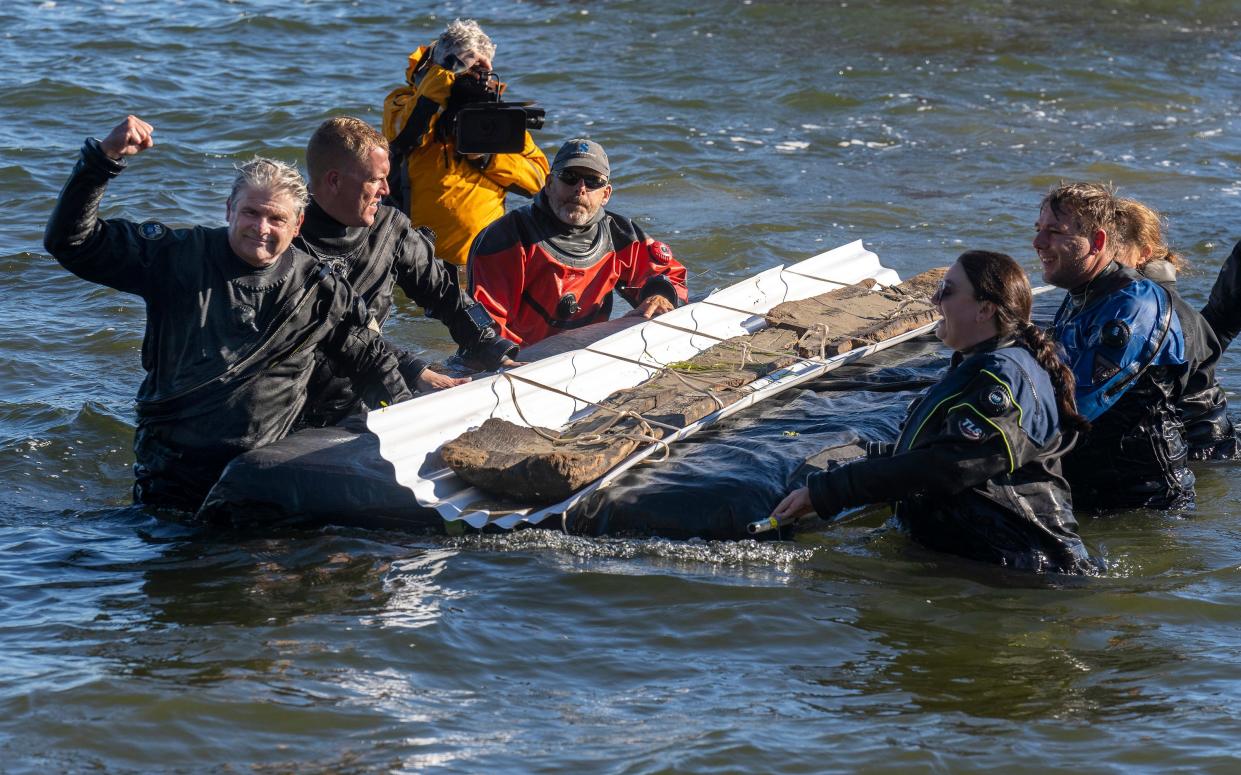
[1223,308]
[376,247]
[234,317]
[1202,405]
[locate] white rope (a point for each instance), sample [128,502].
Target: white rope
[674,372]
[647,435]
[822,340]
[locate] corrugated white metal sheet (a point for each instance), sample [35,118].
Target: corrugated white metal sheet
[554,391]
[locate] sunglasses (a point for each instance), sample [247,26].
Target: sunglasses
[570,178]
[942,291]
[946,289]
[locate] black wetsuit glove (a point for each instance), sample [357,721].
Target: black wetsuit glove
[489,354]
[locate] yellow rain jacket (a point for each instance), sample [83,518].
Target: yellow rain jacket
[455,196]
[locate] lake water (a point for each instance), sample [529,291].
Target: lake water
[744,134]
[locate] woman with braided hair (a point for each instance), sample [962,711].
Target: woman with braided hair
[976,469]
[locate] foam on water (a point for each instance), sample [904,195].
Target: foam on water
[736,555]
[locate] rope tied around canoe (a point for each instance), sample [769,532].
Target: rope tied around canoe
[677,366]
[706,388]
[821,329]
[647,434]
[904,304]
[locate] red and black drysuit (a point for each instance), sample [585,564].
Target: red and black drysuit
[538,276]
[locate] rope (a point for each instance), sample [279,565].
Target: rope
[685,378]
[750,312]
[877,286]
[684,330]
[647,434]
[822,341]
[674,372]
[901,308]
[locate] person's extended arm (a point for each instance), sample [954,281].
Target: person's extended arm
[419,375]
[498,276]
[359,353]
[977,440]
[430,97]
[1223,308]
[942,469]
[427,282]
[113,252]
[651,279]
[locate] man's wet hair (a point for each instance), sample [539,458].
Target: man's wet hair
[277,177]
[338,140]
[1092,206]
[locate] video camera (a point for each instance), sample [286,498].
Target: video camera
[493,126]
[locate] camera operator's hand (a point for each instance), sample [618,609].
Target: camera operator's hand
[133,135]
[479,63]
[457,64]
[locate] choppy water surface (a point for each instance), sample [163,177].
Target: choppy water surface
[745,134]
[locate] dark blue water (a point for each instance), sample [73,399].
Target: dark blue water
[745,134]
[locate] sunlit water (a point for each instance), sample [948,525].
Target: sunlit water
[744,134]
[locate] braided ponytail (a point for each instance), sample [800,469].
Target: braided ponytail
[997,278]
[1043,349]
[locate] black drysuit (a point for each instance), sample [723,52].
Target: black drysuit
[373,259]
[228,348]
[1202,406]
[1223,308]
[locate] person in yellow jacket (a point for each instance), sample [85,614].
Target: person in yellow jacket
[456,195]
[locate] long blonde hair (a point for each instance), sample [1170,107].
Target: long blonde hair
[1141,232]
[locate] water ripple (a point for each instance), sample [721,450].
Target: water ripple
[745,135]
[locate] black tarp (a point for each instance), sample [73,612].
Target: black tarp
[317,476]
[712,485]
[718,481]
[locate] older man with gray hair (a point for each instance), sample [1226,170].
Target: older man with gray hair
[234,316]
[455,194]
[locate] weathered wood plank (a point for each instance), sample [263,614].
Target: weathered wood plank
[537,466]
